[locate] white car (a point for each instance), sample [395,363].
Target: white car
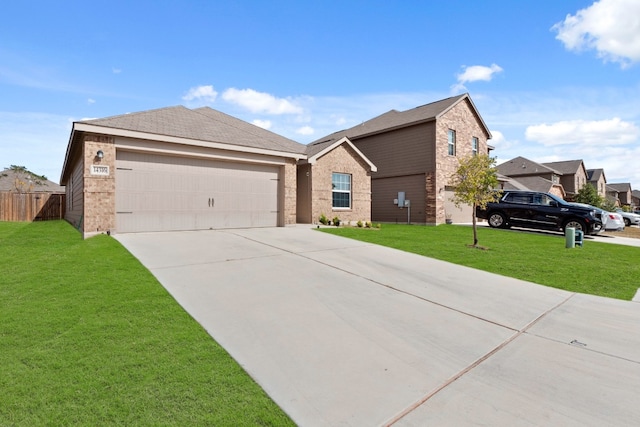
[613,221]
[629,218]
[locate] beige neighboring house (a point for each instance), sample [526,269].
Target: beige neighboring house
[622,192]
[334,180]
[573,176]
[597,178]
[531,175]
[177,168]
[416,152]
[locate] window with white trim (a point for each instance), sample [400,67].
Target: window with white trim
[474,146]
[451,138]
[341,190]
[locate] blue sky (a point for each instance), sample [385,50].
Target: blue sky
[553,80]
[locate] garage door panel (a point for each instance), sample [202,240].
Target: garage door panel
[156,193]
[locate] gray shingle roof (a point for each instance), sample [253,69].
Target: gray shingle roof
[620,186]
[7,183]
[397,119]
[202,124]
[520,166]
[567,167]
[533,183]
[594,174]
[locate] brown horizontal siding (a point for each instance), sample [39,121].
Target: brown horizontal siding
[31,206]
[385,190]
[404,151]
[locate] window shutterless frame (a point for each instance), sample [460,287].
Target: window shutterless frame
[341,190]
[451,139]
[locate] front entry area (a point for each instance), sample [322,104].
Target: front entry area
[169,193]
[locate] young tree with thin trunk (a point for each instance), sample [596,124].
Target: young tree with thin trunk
[475,181]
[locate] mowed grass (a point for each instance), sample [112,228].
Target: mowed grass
[89,337]
[603,269]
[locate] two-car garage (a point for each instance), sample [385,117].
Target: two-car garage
[162,193]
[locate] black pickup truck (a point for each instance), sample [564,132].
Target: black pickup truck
[532,209]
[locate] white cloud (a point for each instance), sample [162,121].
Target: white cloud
[264,124]
[91,101]
[260,102]
[116,70]
[206,94]
[600,132]
[611,27]
[475,73]
[305,130]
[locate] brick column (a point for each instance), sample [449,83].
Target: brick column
[99,185]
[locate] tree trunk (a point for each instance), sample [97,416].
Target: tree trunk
[475,230]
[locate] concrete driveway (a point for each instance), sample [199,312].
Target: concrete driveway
[344,333]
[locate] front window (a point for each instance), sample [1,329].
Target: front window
[451,137]
[474,146]
[341,189]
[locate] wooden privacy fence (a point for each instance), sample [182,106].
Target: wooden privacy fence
[31,206]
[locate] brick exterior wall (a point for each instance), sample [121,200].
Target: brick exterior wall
[289,192]
[342,159]
[99,191]
[460,118]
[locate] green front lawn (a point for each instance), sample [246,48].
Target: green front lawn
[89,337]
[598,268]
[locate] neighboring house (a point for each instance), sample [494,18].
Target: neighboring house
[597,178]
[334,180]
[416,153]
[623,190]
[189,169]
[635,198]
[612,196]
[573,176]
[27,182]
[534,183]
[533,176]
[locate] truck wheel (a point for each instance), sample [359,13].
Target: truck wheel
[575,223]
[497,220]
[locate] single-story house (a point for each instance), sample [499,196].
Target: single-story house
[177,168]
[416,153]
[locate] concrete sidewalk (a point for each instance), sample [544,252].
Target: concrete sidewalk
[341,332]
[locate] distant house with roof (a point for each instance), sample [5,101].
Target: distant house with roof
[573,176]
[622,191]
[531,175]
[416,152]
[635,198]
[23,181]
[597,178]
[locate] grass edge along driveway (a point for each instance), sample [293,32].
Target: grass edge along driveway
[89,337]
[599,269]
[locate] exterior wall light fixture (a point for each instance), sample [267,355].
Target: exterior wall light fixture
[100,154]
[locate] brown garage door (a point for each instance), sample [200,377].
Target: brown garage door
[165,193]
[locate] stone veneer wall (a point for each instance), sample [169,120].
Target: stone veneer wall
[461,119]
[99,191]
[342,159]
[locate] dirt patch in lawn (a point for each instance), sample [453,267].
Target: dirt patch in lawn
[631,231]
